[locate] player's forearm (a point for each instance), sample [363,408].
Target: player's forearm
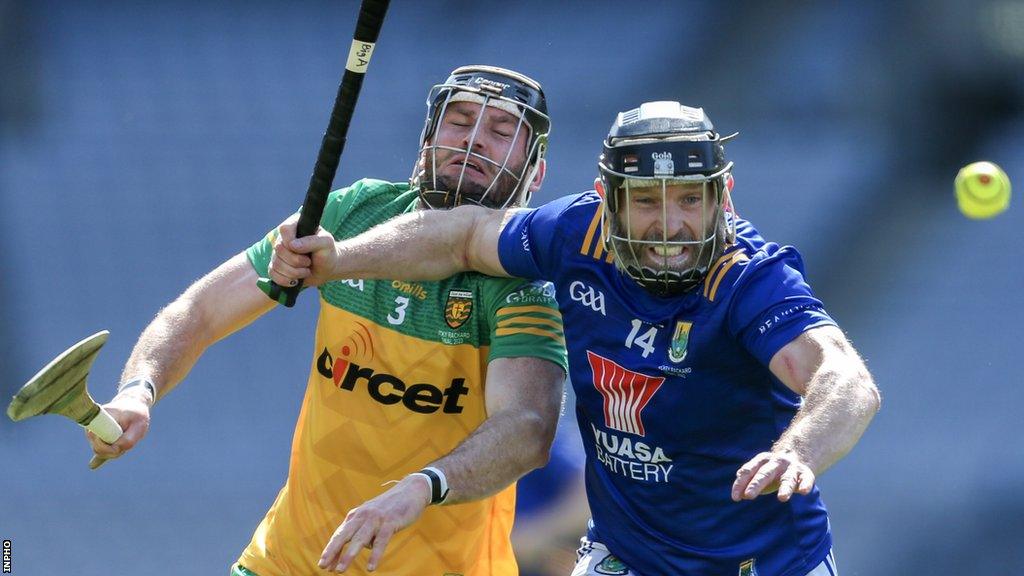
[836,411]
[421,245]
[504,448]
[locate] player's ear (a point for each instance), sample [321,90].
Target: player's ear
[538,178]
[599,187]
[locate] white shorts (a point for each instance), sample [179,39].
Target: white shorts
[593,559]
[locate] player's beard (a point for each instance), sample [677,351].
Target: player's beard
[469,191]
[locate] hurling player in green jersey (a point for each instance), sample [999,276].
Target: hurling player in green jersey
[451,389]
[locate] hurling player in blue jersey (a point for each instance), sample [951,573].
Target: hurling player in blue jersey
[712,387]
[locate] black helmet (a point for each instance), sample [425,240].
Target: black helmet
[663,144]
[499,88]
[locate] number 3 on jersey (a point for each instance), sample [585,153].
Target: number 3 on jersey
[398,316]
[644,341]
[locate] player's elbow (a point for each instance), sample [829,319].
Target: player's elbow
[861,385]
[539,436]
[540,458]
[870,397]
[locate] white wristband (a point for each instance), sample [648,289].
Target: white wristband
[144,382]
[438,484]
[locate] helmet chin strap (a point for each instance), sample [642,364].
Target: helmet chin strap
[444,199]
[665,286]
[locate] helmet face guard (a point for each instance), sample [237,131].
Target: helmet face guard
[492,87]
[658,145]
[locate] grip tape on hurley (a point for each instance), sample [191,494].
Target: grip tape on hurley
[104,426]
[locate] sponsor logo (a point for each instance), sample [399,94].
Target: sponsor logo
[747,568]
[500,86]
[588,296]
[663,164]
[626,393]
[633,459]
[453,338]
[771,321]
[533,293]
[414,289]
[677,348]
[613,566]
[389,389]
[458,308]
[525,239]
[675,370]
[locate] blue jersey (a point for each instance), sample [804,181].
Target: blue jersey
[674,395]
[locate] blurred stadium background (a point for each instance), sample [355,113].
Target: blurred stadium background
[143,143]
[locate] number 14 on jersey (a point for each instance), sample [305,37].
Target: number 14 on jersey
[645,341]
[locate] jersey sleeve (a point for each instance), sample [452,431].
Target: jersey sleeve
[259,254]
[529,244]
[524,320]
[339,204]
[773,304]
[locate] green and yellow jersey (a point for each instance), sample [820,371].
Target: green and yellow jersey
[397,381]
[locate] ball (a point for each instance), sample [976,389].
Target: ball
[982,190]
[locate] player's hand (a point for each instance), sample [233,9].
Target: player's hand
[310,258]
[771,471]
[372,524]
[130,409]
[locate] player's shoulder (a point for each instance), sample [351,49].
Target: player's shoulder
[367,189]
[749,257]
[576,224]
[365,202]
[566,212]
[578,209]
